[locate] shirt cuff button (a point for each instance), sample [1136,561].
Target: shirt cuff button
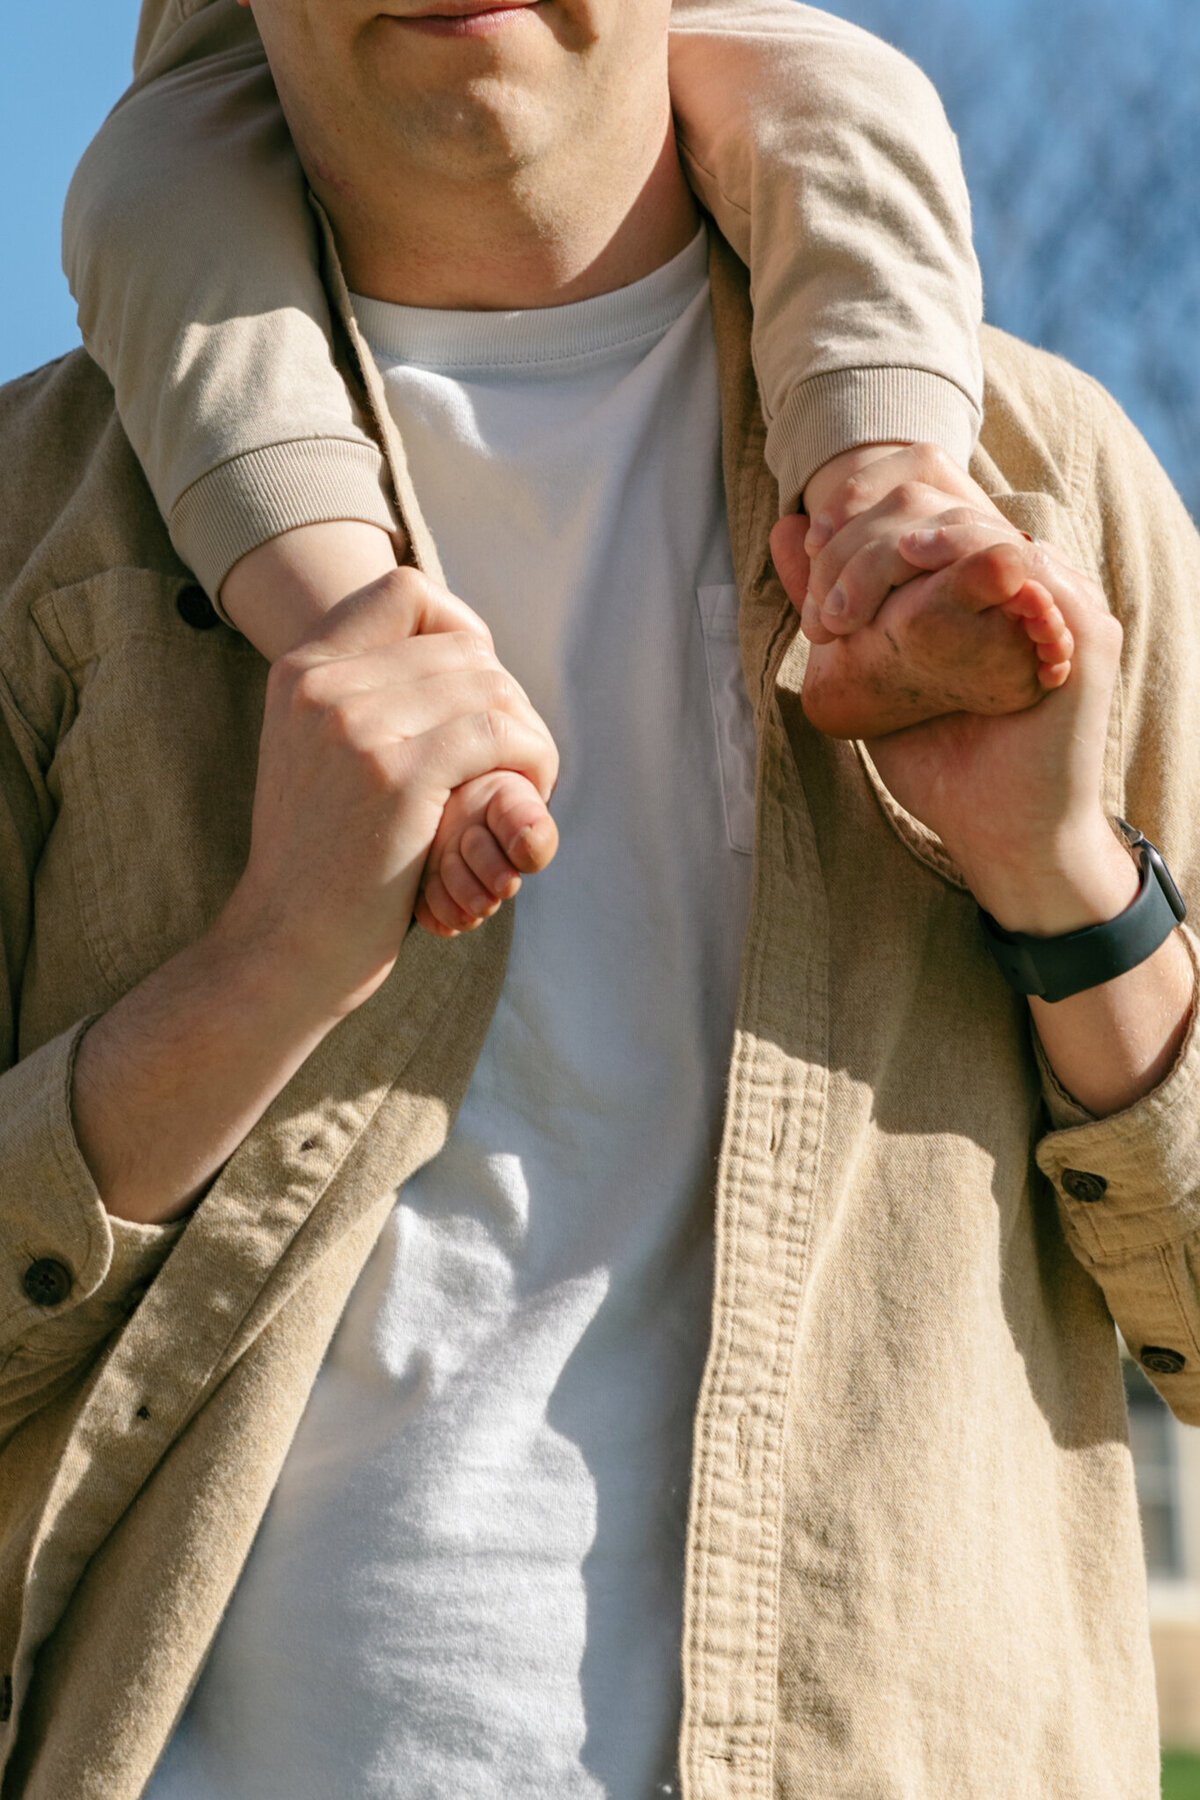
[1161,1362]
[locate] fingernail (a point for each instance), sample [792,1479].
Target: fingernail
[819,532]
[922,540]
[835,601]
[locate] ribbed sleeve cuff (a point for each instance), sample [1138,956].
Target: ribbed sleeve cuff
[1143,1164]
[256,496]
[845,408]
[49,1207]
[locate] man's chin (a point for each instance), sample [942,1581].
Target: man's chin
[431,56]
[481,106]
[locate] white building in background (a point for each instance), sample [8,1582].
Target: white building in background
[1167,1460]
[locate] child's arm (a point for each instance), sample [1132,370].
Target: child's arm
[192,253]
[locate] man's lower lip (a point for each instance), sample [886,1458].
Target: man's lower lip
[476,24]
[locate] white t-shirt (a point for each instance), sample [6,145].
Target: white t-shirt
[468,1585]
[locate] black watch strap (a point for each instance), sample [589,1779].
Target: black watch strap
[1055,968]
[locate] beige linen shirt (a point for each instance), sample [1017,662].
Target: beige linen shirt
[913,1561]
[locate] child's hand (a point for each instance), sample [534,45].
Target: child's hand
[494,830]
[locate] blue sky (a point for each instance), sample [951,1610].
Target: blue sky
[62,64]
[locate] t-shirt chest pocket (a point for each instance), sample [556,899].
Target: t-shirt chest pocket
[733,719]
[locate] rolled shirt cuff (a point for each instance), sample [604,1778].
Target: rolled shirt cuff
[1129,1183]
[51,1210]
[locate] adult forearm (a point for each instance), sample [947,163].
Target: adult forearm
[368,727]
[171,1079]
[1111,1044]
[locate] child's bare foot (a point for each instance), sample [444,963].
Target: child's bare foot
[494,830]
[977,636]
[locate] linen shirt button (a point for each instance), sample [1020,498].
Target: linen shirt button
[47,1281]
[1161,1362]
[196,609]
[1083,1186]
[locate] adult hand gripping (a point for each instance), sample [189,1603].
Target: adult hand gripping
[371,722]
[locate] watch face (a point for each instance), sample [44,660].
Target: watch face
[1141,845]
[1165,881]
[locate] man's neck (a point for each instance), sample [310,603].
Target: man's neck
[539,237]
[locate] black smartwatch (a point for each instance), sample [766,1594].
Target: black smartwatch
[1057,967]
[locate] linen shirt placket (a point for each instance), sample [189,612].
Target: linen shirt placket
[766,1182]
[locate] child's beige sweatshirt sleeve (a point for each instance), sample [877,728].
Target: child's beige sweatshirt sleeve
[824,156]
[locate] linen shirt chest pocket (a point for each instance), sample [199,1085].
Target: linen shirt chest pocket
[733,719]
[154,773]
